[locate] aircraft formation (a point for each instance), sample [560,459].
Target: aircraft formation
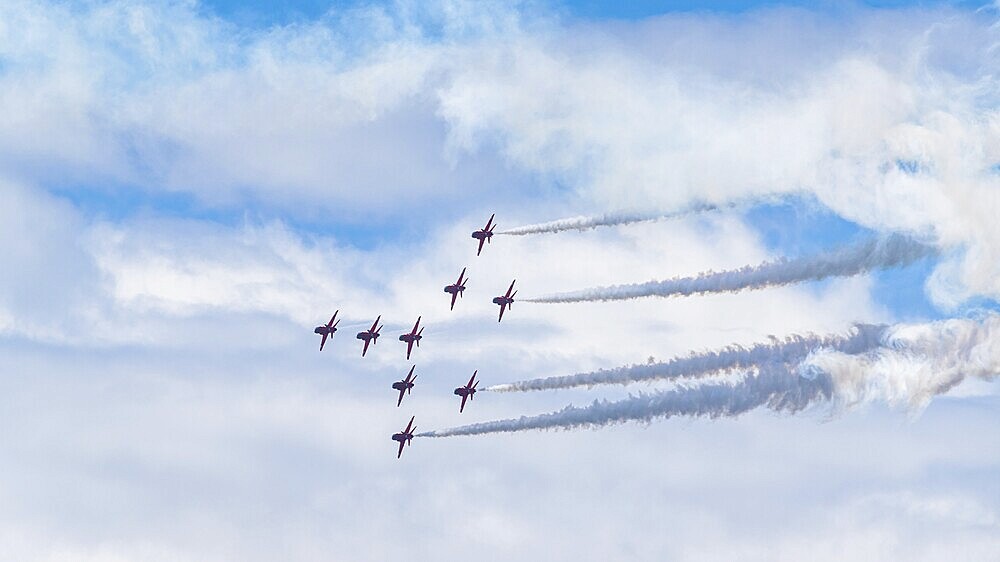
[413,337]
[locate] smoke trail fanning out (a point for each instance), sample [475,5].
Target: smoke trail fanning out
[911,365]
[863,337]
[608,219]
[915,363]
[879,253]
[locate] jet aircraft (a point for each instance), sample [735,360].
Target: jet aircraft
[506,300]
[486,234]
[370,335]
[457,289]
[404,437]
[405,385]
[412,337]
[467,391]
[327,330]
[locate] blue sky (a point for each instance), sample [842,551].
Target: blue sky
[187,189]
[267,13]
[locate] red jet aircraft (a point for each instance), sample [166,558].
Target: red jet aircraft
[327,330]
[467,391]
[404,437]
[506,300]
[405,385]
[370,335]
[485,234]
[412,337]
[457,289]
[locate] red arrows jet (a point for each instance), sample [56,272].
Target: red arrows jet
[327,331]
[467,391]
[370,335]
[405,385]
[506,300]
[411,338]
[457,289]
[404,437]
[485,234]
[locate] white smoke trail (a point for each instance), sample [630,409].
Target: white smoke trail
[774,386]
[607,219]
[879,253]
[913,364]
[793,349]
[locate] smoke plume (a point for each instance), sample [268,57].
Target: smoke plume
[913,364]
[608,219]
[793,349]
[879,253]
[774,385]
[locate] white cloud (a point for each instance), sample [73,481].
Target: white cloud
[634,130]
[156,95]
[371,112]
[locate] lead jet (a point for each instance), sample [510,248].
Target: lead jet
[412,337]
[485,234]
[457,289]
[370,336]
[405,385]
[404,437]
[506,300]
[327,330]
[467,391]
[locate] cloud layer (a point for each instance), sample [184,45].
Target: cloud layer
[158,373]
[376,110]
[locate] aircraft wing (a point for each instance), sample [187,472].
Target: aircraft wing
[409,348]
[400,401]
[453,297]
[323,341]
[399,453]
[481,241]
[365,350]
[502,307]
[462,407]
[511,288]
[489,222]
